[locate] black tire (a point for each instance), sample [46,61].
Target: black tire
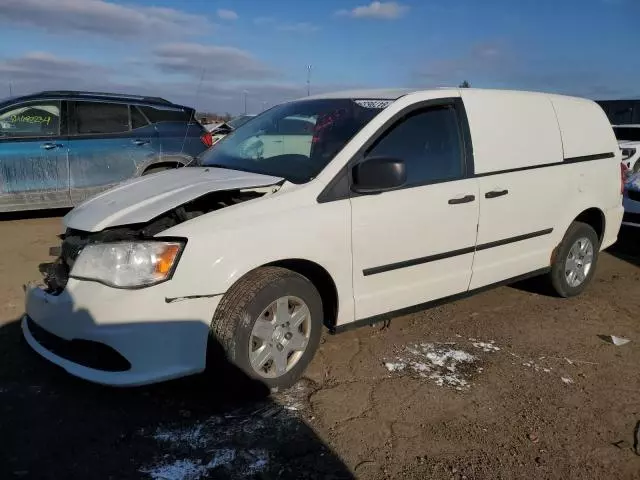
[240,307]
[557,275]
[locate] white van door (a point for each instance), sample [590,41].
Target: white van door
[415,244]
[523,185]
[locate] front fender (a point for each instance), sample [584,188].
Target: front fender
[219,253]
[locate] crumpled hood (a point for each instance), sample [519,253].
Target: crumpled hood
[145,198]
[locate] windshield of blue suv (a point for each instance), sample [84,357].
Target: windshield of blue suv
[294,140]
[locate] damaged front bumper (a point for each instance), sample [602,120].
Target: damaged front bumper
[118,337]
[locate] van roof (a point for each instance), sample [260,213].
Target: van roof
[395,93]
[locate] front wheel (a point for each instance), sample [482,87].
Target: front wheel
[575,262]
[269,325]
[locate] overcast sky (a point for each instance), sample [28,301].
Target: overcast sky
[206,53]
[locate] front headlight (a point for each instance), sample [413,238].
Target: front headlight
[127,264]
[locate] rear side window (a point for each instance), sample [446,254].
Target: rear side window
[138,120]
[428,141]
[40,119]
[156,115]
[98,117]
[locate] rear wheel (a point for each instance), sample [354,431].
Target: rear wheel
[269,325]
[575,262]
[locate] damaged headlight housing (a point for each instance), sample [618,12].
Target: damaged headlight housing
[132,264]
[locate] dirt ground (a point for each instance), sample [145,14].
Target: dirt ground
[511,383]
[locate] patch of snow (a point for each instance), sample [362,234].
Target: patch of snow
[178,470]
[536,366]
[186,469]
[296,398]
[221,457]
[567,380]
[437,362]
[395,367]
[441,358]
[486,346]
[259,461]
[192,436]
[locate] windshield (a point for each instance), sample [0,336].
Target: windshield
[238,121]
[294,140]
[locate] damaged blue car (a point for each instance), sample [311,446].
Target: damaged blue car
[58,148]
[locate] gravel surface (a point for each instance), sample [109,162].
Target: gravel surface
[511,383]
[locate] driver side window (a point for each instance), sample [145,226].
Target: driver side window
[429,143]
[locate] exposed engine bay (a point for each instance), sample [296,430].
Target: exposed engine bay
[56,274]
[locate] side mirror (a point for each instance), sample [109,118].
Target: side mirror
[378,174]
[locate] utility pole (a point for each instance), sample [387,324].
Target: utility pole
[264,106]
[245,101]
[308,80]
[10,89]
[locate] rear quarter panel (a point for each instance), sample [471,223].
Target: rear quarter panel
[179,137]
[586,132]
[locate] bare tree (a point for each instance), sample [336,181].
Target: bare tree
[464,84]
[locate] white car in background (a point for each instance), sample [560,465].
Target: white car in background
[225,128]
[629,142]
[290,135]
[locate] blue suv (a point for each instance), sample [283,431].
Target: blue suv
[58,148]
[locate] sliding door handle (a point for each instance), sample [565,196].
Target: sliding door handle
[496,193]
[465,199]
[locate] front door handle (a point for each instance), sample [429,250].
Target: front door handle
[50,146]
[465,199]
[139,142]
[496,193]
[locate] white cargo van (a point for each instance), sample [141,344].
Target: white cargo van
[403,198]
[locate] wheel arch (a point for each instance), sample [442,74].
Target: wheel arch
[595,218]
[321,280]
[317,275]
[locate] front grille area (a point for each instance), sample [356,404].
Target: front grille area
[72,244]
[83,352]
[633,195]
[56,274]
